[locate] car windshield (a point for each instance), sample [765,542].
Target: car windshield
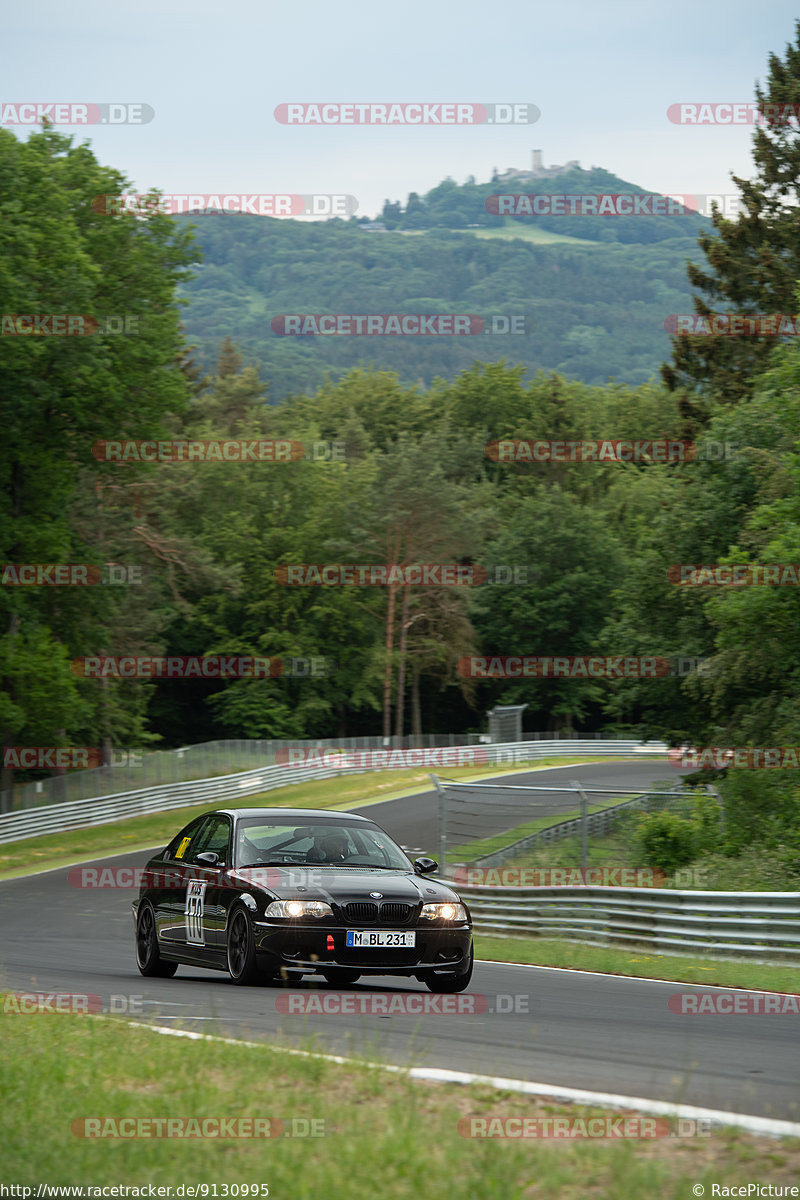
[261,844]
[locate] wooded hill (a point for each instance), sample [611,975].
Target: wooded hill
[593,293]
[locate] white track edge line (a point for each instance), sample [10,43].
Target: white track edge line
[766,1126]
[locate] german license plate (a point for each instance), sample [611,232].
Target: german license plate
[376,938]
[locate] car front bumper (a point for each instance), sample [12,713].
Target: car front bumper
[306,947]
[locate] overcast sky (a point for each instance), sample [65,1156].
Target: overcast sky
[602,74]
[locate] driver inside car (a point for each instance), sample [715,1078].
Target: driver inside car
[330,847]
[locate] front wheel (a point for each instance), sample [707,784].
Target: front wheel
[148,959]
[241,949]
[451,983]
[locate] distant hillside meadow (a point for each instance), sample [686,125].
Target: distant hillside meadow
[553,289]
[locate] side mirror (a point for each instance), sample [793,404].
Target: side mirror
[208,858]
[424,866]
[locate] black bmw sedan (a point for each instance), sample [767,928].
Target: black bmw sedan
[276,893]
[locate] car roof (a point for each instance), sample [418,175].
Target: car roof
[291,814]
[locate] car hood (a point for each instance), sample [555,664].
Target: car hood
[344,885]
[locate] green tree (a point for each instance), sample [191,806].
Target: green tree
[753,262]
[62,254]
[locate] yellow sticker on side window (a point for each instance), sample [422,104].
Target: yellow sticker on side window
[179,853]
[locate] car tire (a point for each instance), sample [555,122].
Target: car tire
[241,948]
[341,978]
[451,983]
[148,958]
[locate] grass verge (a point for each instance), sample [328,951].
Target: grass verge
[612,960]
[382,1141]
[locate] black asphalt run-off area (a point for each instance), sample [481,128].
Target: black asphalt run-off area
[564,1028]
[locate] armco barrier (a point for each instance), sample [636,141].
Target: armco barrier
[747,923]
[227,789]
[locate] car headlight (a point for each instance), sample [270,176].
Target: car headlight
[298,908]
[443,912]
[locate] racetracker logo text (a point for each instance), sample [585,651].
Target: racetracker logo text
[191,666]
[379,575]
[377,325]
[383,760]
[728,1004]
[438,113]
[539,666]
[71,113]
[51,758]
[192,1128]
[68,575]
[381,1004]
[732,324]
[183,450]
[126,878]
[747,758]
[571,1128]
[273,204]
[737,112]
[552,877]
[734,574]
[615,450]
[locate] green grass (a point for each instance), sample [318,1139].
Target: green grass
[156,829]
[384,1135]
[531,233]
[612,960]
[489,845]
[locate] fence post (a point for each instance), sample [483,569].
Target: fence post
[442,826]
[584,823]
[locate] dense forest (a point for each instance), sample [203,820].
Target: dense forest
[565,555]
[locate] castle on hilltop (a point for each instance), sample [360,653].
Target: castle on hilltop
[537,169]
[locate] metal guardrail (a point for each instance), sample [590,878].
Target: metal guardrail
[748,923]
[58,818]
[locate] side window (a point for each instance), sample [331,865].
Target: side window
[180,844]
[215,835]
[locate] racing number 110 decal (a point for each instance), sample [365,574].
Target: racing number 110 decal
[195,898]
